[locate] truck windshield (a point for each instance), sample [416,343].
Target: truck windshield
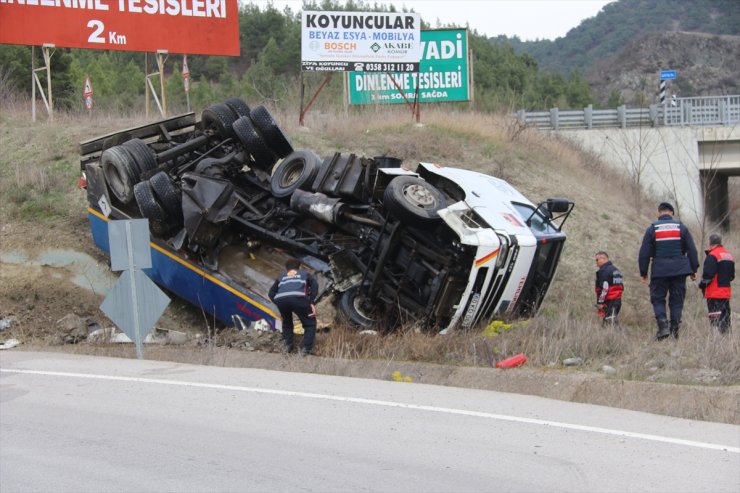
[538,224]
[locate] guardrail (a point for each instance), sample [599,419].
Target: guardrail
[715,110]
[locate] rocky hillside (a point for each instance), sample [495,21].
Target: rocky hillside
[706,65]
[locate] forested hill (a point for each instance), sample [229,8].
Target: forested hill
[622,22]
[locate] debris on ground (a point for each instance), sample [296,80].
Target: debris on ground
[5,323]
[72,329]
[156,336]
[514,361]
[248,340]
[573,361]
[10,343]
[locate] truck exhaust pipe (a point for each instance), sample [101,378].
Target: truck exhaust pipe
[318,205]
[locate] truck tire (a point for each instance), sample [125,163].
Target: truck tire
[148,205]
[238,106]
[412,200]
[120,171]
[143,156]
[295,171]
[352,307]
[254,143]
[266,124]
[168,195]
[219,118]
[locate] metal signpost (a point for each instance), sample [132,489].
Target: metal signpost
[665,75]
[135,303]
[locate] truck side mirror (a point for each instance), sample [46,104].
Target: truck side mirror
[557,205]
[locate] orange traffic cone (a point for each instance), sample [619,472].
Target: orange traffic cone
[516,360]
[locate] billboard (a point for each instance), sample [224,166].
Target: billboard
[362,41]
[442,76]
[203,27]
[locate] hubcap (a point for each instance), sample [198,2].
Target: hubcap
[419,196]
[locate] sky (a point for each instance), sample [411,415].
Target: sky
[528,19]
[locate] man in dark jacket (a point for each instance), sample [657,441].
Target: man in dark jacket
[609,289]
[717,273]
[670,246]
[295,292]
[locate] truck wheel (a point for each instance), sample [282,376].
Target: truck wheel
[120,171]
[148,205]
[254,143]
[266,124]
[238,106]
[356,308]
[168,195]
[143,156]
[295,171]
[412,200]
[219,118]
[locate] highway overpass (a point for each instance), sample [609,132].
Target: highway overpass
[684,154]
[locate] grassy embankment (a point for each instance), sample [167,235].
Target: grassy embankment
[38,177]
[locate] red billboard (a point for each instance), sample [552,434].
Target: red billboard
[202,27]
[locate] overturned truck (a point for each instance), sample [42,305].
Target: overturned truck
[228,200]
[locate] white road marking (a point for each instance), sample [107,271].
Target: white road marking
[374,402]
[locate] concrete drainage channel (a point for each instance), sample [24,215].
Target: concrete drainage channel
[86,272]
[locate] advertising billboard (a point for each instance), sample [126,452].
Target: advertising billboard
[203,27]
[442,76]
[361,41]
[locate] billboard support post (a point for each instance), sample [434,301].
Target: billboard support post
[161,57]
[33,84]
[326,80]
[36,82]
[146,85]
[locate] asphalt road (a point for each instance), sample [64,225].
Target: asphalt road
[80,423]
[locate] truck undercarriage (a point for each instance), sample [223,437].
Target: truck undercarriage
[212,192]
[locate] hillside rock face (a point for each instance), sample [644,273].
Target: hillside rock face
[706,65]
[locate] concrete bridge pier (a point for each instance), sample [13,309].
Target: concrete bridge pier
[716,198]
[687,165]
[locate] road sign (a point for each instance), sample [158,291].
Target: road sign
[87,92]
[443,74]
[667,74]
[135,303]
[185,73]
[360,41]
[177,26]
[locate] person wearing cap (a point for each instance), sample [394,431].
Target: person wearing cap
[669,247]
[717,273]
[294,292]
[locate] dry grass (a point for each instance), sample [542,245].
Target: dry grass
[39,168]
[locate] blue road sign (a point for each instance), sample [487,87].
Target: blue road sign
[667,74]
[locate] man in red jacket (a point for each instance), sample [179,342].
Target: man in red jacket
[717,273]
[609,289]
